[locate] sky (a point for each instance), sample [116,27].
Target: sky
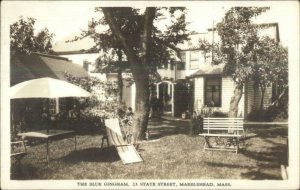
[66,17]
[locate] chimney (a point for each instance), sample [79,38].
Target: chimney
[91,26]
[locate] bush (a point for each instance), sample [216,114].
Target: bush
[272,113]
[219,114]
[196,125]
[275,113]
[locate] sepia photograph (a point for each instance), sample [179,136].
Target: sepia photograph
[150,95]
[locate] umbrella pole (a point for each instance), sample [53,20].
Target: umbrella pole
[49,116]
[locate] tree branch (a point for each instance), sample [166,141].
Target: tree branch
[279,97]
[118,33]
[148,24]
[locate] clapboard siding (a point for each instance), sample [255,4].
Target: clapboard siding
[226,94]
[257,97]
[250,97]
[199,94]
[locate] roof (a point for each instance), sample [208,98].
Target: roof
[35,65]
[79,46]
[209,70]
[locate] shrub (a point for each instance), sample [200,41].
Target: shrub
[272,113]
[275,113]
[196,125]
[219,114]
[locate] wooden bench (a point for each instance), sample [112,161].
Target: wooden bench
[226,133]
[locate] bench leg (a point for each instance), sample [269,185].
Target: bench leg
[75,142]
[237,145]
[48,152]
[206,143]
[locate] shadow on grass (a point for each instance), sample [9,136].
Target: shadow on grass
[107,154]
[267,131]
[258,175]
[163,127]
[275,152]
[253,172]
[274,155]
[229,166]
[265,146]
[23,171]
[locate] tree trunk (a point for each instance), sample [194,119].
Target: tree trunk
[234,102]
[120,80]
[142,105]
[139,68]
[263,90]
[120,84]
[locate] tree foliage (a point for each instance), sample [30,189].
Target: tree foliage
[145,50]
[246,54]
[238,35]
[23,39]
[103,102]
[131,22]
[271,66]
[137,35]
[271,63]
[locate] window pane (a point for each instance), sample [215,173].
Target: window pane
[194,59]
[172,66]
[213,92]
[182,56]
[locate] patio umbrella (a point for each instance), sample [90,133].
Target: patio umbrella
[46,88]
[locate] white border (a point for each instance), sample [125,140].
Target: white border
[291,183]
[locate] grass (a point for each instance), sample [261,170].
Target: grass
[173,154]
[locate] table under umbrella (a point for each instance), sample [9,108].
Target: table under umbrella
[47,88]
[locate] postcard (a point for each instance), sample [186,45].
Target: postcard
[150,95]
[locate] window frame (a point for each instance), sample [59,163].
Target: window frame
[194,59]
[219,78]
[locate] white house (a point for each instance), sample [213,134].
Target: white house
[189,82]
[205,84]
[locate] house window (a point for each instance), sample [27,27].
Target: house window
[172,64]
[213,92]
[194,60]
[181,65]
[166,65]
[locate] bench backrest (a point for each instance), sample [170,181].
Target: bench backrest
[221,125]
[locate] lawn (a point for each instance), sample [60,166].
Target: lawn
[171,153]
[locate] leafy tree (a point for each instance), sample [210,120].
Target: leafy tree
[23,40]
[238,36]
[137,37]
[271,66]
[107,63]
[246,55]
